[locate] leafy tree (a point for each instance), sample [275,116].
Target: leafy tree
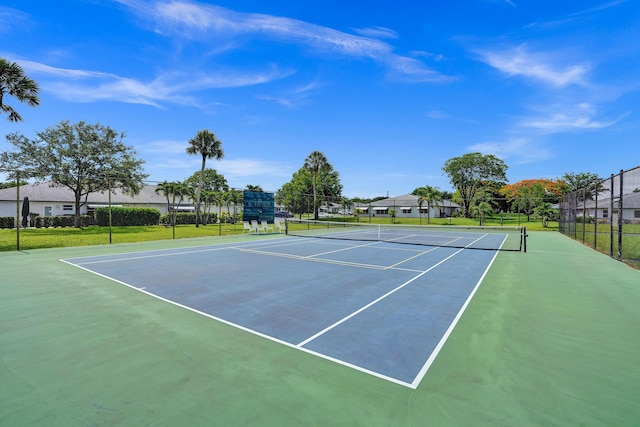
[315,163]
[14,82]
[11,184]
[470,172]
[329,186]
[82,157]
[211,181]
[295,195]
[208,146]
[429,195]
[587,181]
[527,194]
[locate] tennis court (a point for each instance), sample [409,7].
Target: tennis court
[549,338]
[378,307]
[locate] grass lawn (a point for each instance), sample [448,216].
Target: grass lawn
[39,238]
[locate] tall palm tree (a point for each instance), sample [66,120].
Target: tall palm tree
[315,162]
[429,195]
[208,146]
[14,82]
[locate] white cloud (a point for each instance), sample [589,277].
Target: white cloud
[246,168]
[209,22]
[88,86]
[580,116]
[516,150]
[377,32]
[545,67]
[11,19]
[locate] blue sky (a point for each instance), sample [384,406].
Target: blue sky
[387,90]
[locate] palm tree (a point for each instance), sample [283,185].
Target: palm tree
[315,163]
[208,146]
[256,188]
[481,205]
[15,83]
[173,191]
[429,195]
[546,212]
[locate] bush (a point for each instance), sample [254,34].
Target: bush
[7,222]
[127,216]
[186,218]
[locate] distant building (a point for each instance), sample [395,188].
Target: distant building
[407,206]
[46,199]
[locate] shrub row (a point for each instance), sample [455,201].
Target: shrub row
[7,222]
[127,216]
[186,218]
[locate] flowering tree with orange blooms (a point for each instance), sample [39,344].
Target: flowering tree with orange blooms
[528,194]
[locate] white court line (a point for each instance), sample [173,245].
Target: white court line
[151,254]
[432,357]
[377,300]
[324,261]
[413,385]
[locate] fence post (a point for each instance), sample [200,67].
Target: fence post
[17,211]
[620,215]
[595,218]
[611,219]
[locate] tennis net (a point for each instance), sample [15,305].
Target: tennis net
[470,237]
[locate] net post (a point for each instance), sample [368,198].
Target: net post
[524,239]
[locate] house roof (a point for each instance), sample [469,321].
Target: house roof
[48,192]
[629,200]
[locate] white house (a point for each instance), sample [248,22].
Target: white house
[46,199]
[603,212]
[407,206]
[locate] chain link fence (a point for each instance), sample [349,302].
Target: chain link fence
[606,216]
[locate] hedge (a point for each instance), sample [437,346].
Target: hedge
[7,222]
[127,216]
[186,218]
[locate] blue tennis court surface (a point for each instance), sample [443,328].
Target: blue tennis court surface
[381,308]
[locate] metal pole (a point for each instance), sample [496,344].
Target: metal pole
[595,219]
[611,220]
[620,213]
[110,231]
[17,211]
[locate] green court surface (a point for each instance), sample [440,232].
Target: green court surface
[551,338]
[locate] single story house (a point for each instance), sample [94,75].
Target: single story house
[46,199]
[407,206]
[630,209]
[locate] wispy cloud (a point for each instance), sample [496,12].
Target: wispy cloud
[12,18]
[377,32]
[573,118]
[175,87]
[192,20]
[545,67]
[517,150]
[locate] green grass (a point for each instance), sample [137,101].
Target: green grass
[506,220]
[40,238]
[598,236]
